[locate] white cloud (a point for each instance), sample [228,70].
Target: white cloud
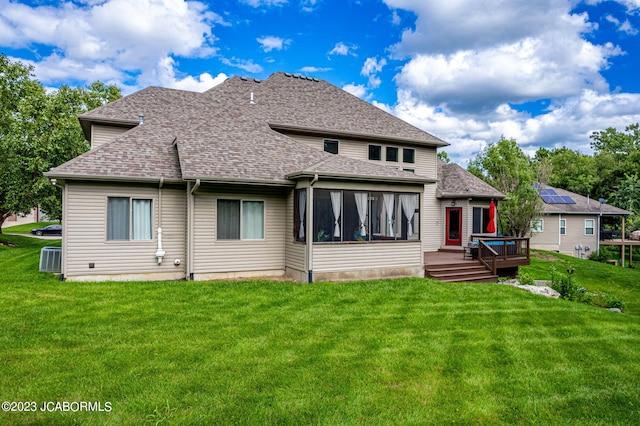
[167,78]
[395,18]
[270,43]
[569,123]
[355,89]
[372,66]
[308,5]
[625,27]
[310,69]
[244,64]
[265,3]
[110,39]
[343,49]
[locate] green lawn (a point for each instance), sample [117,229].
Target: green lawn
[26,228]
[406,351]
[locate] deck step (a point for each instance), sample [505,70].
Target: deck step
[460,272]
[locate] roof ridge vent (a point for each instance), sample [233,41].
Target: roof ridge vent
[243,78]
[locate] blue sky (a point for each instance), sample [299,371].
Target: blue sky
[545,72]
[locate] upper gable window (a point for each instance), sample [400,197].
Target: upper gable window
[392,154]
[331,146]
[408,155]
[375,152]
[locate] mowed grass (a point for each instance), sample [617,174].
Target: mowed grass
[407,351]
[26,228]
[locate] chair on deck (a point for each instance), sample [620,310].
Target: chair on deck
[470,250]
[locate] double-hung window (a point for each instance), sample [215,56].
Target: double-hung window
[537,225]
[129,219]
[563,226]
[589,227]
[240,220]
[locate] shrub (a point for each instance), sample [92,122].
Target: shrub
[526,279]
[599,256]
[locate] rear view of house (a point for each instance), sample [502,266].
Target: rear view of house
[290,176]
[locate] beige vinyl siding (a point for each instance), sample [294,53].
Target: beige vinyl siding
[425,157]
[575,235]
[225,256]
[550,238]
[295,252]
[86,227]
[348,257]
[432,220]
[102,134]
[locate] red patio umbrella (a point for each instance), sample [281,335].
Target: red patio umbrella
[491,226]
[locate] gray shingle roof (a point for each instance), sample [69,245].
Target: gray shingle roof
[583,205]
[456,182]
[220,136]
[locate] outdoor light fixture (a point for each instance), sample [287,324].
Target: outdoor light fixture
[453,203]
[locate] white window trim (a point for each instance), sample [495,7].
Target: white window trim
[563,227]
[541,222]
[130,240]
[593,227]
[242,200]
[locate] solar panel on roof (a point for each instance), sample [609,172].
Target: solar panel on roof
[557,199]
[548,191]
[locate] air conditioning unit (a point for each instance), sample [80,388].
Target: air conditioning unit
[51,259]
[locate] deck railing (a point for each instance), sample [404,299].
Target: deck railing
[492,251]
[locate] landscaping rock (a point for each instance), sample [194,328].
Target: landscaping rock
[614,310]
[540,288]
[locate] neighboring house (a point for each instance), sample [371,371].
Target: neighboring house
[290,176]
[570,223]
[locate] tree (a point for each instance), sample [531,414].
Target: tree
[504,166]
[570,170]
[443,156]
[39,131]
[16,85]
[617,154]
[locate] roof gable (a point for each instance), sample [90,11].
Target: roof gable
[220,135]
[456,182]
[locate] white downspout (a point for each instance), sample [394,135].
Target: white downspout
[310,230]
[190,218]
[160,252]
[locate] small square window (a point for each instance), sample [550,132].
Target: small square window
[392,154]
[331,146]
[375,152]
[409,170]
[409,155]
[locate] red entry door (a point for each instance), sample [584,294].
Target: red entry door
[453,233]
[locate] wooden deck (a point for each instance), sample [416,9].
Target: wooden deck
[501,257]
